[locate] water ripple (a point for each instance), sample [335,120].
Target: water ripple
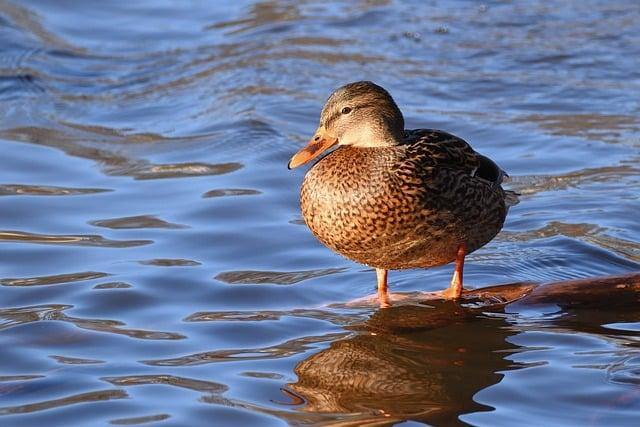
[139,420]
[285,349]
[176,170]
[607,127]
[13,378]
[116,163]
[271,315]
[172,380]
[590,233]
[116,327]
[66,360]
[44,190]
[175,262]
[275,277]
[21,315]
[57,279]
[73,240]
[259,15]
[533,184]
[112,285]
[231,192]
[93,396]
[626,371]
[132,222]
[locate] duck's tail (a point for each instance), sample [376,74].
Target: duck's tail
[511,198]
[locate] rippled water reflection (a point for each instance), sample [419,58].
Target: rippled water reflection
[154,268]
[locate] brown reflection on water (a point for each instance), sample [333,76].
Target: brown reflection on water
[112,285]
[230,192]
[65,360]
[428,362]
[11,378]
[410,362]
[30,21]
[116,327]
[285,349]
[595,322]
[172,380]
[54,279]
[180,170]
[93,396]
[20,315]
[622,247]
[117,135]
[74,240]
[45,190]
[256,316]
[139,420]
[138,221]
[274,277]
[173,262]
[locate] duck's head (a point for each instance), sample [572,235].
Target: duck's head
[360,114]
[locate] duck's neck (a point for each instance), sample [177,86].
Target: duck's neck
[370,136]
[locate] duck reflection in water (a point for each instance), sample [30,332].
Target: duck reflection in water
[423,363]
[428,362]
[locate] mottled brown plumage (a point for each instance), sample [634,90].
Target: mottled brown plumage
[392,198]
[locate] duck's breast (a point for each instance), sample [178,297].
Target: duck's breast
[354,203]
[373,207]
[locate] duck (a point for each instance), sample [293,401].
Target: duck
[391,198]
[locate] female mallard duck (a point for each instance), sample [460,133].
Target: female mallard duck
[393,198]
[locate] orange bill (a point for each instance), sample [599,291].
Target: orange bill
[321,142]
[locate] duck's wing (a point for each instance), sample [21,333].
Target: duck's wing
[435,148]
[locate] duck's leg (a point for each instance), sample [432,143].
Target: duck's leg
[383,296]
[455,289]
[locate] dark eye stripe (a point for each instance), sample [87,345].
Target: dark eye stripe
[331,119]
[337,114]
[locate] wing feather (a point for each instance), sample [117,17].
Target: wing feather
[440,149]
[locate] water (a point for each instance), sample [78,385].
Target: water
[154,267]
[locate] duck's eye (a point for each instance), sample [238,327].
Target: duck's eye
[346,110]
